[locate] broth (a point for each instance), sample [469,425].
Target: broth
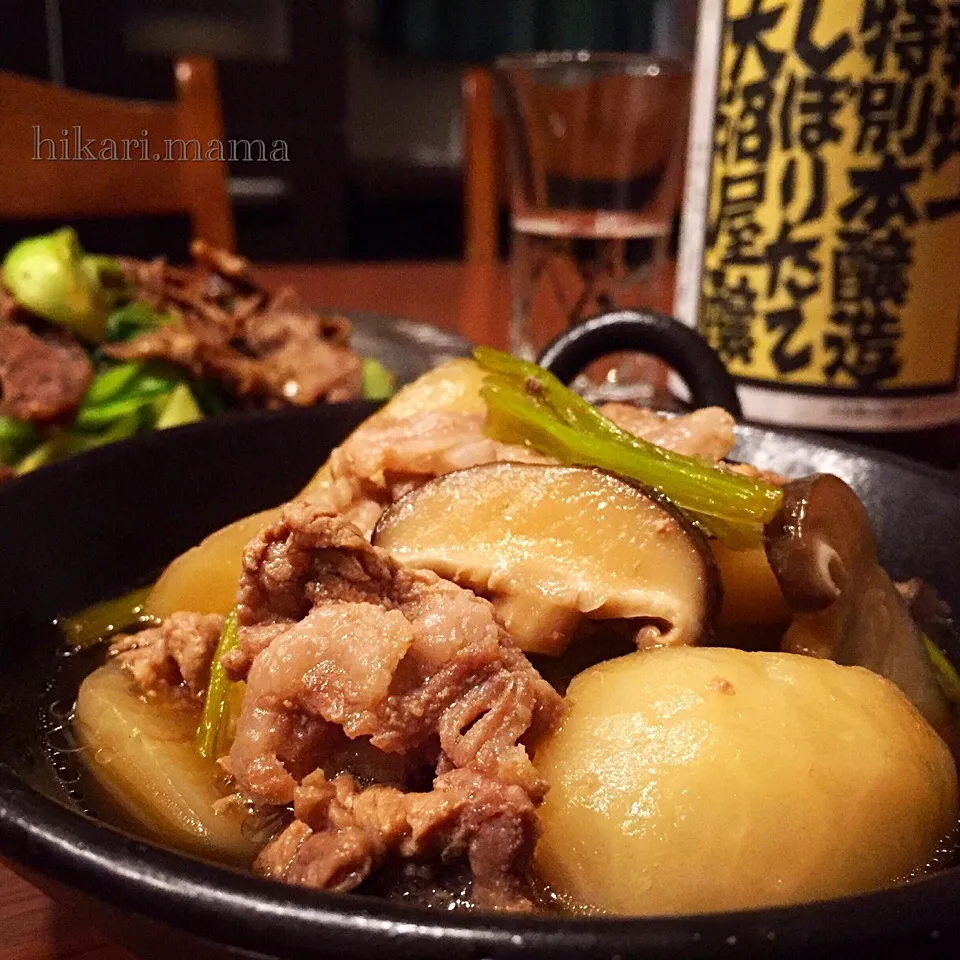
[423,884]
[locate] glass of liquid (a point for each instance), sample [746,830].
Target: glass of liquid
[595,147]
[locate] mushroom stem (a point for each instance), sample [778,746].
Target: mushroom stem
[845,607]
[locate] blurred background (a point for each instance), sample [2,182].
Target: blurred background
[366,93]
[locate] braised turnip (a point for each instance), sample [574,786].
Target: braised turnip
[204,579]
[144,757]
[693,780]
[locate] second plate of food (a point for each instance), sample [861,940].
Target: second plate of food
[95,349]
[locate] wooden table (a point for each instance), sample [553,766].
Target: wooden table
[471,301]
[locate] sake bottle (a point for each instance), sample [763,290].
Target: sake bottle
[820,239]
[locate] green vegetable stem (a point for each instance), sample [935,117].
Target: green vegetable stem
[946,672]
[108,384]
[16,438]
[526,404]
[214,724]
[100,621]
[379,383]
[51,449]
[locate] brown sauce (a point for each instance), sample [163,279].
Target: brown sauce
[445,887]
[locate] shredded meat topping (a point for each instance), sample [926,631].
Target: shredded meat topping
[172,658]
[43,376]
[707,433]
[262,347]
[336,638]
[341,834]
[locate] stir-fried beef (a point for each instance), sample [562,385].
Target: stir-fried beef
[265,349]
[172,658]
[304,357]
[44,375]
[262,347]
[231,266]
[341,834]
[304,370]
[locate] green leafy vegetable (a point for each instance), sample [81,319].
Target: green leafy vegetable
[77,441]
[100,621]
[179,408]
[946,672]
[51,276]
[528,405]
[114,395]
[213,729]
[109,383]
[379,383]
[16,439]
[132,319]
[122,400]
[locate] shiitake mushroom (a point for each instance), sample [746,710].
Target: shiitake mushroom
[845,607]
[552,546]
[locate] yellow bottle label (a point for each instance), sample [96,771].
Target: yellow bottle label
[831,259]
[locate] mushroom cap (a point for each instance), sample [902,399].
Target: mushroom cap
[818,539]
[846,608]
[551,546]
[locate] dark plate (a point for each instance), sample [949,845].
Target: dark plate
[96,525]
[407,347]
[93,526]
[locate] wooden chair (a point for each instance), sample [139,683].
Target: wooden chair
[484,178]
[41,123]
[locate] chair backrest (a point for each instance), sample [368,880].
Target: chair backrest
[484,178]
[65,153]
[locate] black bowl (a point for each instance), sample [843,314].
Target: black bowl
[96,525]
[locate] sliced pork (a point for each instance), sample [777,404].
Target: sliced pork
[342,833]
[390,456]
[173,658]
[337,639]
[706,433]
[333,630]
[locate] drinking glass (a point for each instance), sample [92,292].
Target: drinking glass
[595,147]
